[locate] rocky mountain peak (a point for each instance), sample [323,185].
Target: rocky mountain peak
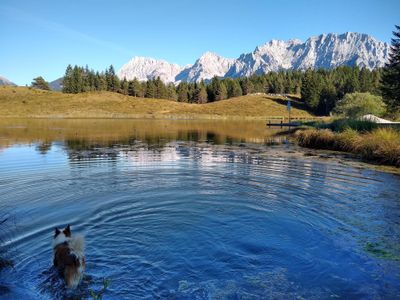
[323,51]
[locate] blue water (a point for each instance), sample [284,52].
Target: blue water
[197,220]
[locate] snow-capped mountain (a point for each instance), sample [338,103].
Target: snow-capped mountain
[206,67]
[5,81]
[144,68]
[323,51]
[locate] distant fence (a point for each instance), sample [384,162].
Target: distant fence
[281,118]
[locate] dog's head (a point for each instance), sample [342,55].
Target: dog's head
[61,236]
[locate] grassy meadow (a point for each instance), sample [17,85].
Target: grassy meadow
[23,102]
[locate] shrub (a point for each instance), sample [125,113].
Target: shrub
[346,140]
[321,139]
[340,125]
[356,105]
[381,145]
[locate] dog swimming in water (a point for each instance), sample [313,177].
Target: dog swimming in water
[69,257]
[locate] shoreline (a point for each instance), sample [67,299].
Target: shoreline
[200,117]
[380,146]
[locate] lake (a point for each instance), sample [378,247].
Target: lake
[193,210]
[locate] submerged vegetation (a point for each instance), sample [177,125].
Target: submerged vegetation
[379,251]
[98,295]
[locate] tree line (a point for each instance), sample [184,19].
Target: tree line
[320,89]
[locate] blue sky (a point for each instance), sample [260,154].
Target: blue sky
[43,37]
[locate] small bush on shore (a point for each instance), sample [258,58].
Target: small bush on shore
[346,140]
[356,105]
[320,139]
[381,145]
[340,125]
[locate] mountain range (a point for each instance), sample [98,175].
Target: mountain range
[322,51]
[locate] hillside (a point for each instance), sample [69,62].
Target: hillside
[26,102]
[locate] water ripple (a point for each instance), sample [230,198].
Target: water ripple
[194,220]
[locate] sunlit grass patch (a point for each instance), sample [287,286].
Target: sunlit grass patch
[381,145]
[29,103]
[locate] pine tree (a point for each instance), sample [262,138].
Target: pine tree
[67,80]
[171,92]
[200,95]
[221,92]
[124,86]
[391,75]
[86,85]
[311,88]
[192,87]
[102,82]
[151,89]
[182,91]
[247,86]
[77,80]
[233,88]
[236,89]
[40,83]
[143,86]
[365,80]
[137,87]
[161,89]
[112,80]
[327,98]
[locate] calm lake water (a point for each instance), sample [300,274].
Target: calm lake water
[194,210]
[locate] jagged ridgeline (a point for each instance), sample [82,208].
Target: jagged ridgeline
[324,51]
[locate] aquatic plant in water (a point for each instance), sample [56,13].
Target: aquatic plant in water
[98,295]
[378,251]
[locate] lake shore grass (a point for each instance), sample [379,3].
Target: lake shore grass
[380,145]
[23,102]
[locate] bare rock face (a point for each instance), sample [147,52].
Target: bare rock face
[144,68]
[323,51]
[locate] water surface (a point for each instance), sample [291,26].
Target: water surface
[194,210]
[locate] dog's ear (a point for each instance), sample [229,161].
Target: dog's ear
[67,231]
[56,232]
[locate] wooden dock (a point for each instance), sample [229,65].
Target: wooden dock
[281,124]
